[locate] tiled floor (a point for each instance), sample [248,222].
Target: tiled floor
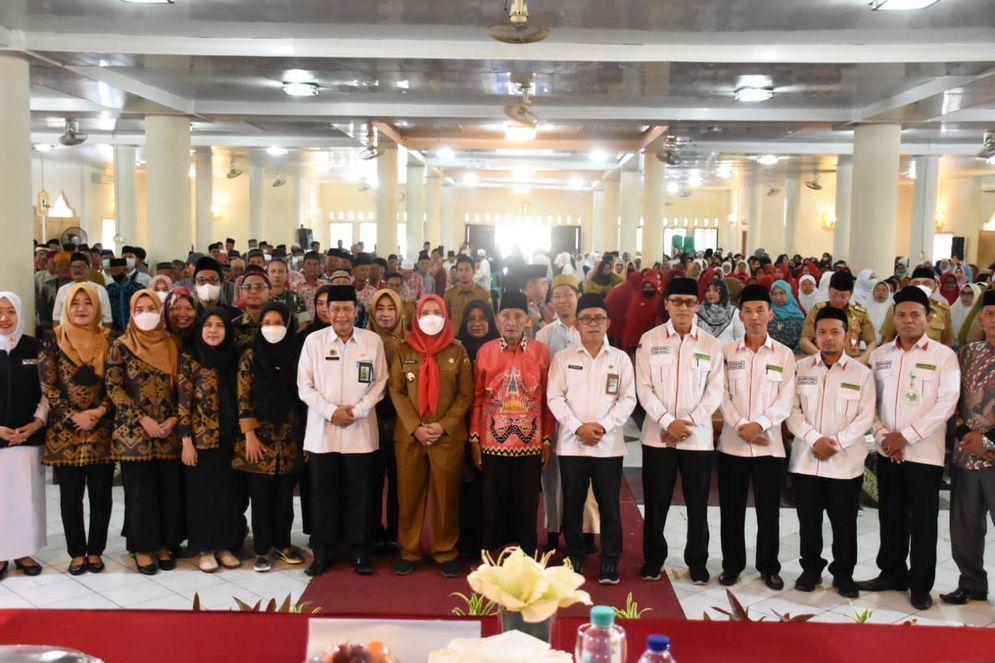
[120,586]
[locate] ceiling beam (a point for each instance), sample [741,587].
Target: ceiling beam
[209,140]
[136,87]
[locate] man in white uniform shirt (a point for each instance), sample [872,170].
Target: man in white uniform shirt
[591,391]
[341,377]
[760,381]
[79,271]
[679,373]
[918,385]
[833,410]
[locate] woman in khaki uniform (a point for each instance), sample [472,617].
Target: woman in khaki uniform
[431,385]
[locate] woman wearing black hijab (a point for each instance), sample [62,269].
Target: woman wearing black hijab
[320,321]
[478,327]
[269,413]
[208,426]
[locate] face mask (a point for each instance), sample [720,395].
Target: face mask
[208,292]
[162,295]
[147,320]
[273,333]
[926,289]
[130,262]
[107,263]
[431,324]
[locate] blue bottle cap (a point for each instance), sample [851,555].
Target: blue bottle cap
[602,615]
[658,643]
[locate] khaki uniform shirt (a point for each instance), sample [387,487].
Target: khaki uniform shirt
[457,298]
[455,391]
[940,329]
[861,327]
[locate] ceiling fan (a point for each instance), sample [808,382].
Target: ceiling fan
[814,182]
[669,153]
[234,171]
[370,149]
[772,190]
[279,181]
[517,29]
[72,135]
[522,112]
[988,146]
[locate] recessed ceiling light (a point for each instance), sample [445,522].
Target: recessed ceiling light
[521,189]
[445,153]
[672,187]
[471,179]
[724,172]
[901,5]
[598,156]
[44,147]
[694,179]
[523,171]
[753,94]
[768,159]
[300,89]
[576,183]
[519,133]
[276,151]
[990,161]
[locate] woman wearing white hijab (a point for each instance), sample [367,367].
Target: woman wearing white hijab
[23,412]
[969,294]
[866,280]
[824,286]
[877,305]
[809,300]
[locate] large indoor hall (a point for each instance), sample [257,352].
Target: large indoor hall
[497,330]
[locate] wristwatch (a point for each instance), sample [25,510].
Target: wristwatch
[988,445]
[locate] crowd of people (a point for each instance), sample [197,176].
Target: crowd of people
[230,379]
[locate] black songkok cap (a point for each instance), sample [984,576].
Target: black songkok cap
[842,281]
[923,273]
[754,293]
[912,293]
[342,293]
[207,263]
[681,286]
[514,299]
[591,300]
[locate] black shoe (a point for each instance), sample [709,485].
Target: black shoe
[650,572]
[773,581]
[590,547]
[317,568]
[362,565]
[846,588]
[386,548]
[961,596]
[807,581]
[921,600]
[552,542]
[28,569]
[609,572]
[77,569]
[451,569]
[403,567]
[95,567]
[728,579]
[147,569]
[882,584]
[167,564]
[577,563]
[3,570]
[700,576]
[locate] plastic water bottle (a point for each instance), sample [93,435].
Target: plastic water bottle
[601,641]
[657,650]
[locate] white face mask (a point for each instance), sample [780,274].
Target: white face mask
[208,292]
[147,320]
[926,289]
[431,324]
[130,262]
[273,333]
[162,294]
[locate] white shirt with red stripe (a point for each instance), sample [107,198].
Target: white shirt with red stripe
[760,387]
[836,402]
[679,378]
[918,390]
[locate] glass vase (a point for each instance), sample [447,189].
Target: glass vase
[513,621]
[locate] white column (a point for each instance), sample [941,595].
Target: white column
[593,220]
[167,152]
[630,208]
[433,211]
[415,200]
[256,185]
[874,206]
[844,188]
[792,199]
[608,238]
[924,209]
[16,272]
[754,200]
[204,164]
[125,197]
[653,189]
[387,200]
[448,215]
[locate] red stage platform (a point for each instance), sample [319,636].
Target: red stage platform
[153,636]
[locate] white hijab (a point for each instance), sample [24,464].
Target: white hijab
[824,285]
[9,341]
[877,311]
[958,312]
[807,301]
[866,281]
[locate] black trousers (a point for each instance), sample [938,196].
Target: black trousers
[972,503]
[660,468]
[272,498]
[385,473]
[510,496]
[213,502]
[340,503]
[909,495]
[471,508]
[840,499]
[736,475]
[153,504]
[96,480]
[605,476]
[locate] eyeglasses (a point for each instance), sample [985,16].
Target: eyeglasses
[204,280]
[682,303]
[254,287]
[592,319]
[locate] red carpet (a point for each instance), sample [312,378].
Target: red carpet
[426,593]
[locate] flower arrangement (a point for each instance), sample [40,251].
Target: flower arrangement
[527,585]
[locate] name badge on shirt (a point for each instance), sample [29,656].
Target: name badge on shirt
[736,365]
[611,384]
[659,350]
[409,361]
[333,355]
[928,367]
[775,368]
[29,362]
[850,386]
[575,367]
[702,360]
[883,366]
[804,380]
[364,372]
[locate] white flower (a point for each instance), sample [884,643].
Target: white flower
[520,583]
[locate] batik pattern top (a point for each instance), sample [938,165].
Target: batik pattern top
[977,400]
[137,390]
[282,442]
[60,384]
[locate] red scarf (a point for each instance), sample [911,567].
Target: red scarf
[429,346]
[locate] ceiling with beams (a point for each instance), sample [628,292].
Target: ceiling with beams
[611,79]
